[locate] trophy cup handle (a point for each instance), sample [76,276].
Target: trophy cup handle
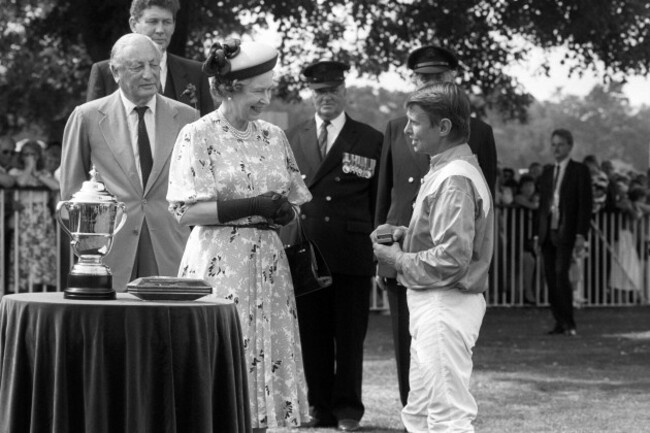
[60,205]
[122,207]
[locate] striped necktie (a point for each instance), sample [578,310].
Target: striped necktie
[322,138]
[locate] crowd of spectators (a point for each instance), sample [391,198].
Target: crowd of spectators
[628,192]
[619,240]
[29,180]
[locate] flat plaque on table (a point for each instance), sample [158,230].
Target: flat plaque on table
[168,288]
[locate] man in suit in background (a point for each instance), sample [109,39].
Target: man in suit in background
[562,226]
[180,78]
[338,157]
[128,137]
[400,173]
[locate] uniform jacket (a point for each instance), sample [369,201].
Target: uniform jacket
[180,73]
[339,218]
[575,203]
[97,133]
[401,169]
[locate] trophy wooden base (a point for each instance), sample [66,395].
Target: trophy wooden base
[90,287]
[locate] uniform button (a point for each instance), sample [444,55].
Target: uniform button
[337,179]
[304,176]
[328,198]
[327,219]
[411,180]
[144,201]
[303,216]
[135,231]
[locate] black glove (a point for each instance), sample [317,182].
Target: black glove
[285,214]
[268,204]
[265,205]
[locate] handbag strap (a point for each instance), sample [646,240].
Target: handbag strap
[302,236]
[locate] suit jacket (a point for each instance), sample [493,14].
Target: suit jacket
[97,134]
[180,73]
[339,218]
[575,203]
[402,169]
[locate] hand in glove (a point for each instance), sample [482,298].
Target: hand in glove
[265,205]
[285,214]
[268,204]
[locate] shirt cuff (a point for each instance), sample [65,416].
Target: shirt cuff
[399,262]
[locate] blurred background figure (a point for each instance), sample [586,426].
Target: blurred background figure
[535,170]
[527,198]
[36,253]
[7,146]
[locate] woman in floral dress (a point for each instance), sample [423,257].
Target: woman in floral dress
[35,227]
[234,178]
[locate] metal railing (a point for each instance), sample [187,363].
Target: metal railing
[614,272]
[30,242]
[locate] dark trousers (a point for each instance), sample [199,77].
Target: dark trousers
[333,324]
[557,261]
[399,314]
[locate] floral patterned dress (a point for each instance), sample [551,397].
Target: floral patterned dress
[36,240]
[211,161]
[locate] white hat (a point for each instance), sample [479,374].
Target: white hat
[235,60]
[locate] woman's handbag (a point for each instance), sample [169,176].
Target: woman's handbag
[309,271]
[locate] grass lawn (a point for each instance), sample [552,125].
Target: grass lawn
[528,382]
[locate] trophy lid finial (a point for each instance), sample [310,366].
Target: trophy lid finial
[93,190]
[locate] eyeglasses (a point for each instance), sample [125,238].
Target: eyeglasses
[27,154]
[6,152]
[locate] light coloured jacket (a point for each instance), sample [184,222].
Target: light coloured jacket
[97,133]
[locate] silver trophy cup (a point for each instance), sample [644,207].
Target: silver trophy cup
[94,216]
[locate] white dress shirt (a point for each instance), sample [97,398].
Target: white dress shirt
[333,129]
[163,72]
[555,205]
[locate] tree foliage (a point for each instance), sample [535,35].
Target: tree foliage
[603,124]
[46,51]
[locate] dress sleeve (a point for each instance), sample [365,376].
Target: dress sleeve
[298,191]
[190,172]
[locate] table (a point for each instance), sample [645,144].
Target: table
[121,366]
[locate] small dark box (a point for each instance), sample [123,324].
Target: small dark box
[385,237]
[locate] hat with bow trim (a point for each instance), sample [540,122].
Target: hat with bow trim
[236,60]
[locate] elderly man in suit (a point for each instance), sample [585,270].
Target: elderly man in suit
[128,137]
[563,223]
[180,78]
[400,174]
[338,157]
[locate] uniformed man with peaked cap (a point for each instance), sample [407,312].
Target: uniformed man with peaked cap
[400,173]
[338,157]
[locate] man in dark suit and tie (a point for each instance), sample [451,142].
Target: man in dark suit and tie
[181,78]
[400,172]
[338,157]
[563,224]
[128,136]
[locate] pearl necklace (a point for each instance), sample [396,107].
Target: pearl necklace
[247,134]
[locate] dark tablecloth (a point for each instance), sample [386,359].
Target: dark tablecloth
[120,366]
